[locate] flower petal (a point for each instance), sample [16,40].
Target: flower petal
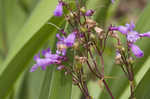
[59,10]
[136,51]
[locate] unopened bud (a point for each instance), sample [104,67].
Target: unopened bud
[83,10]
[81,59]
[60,67]
[90,23]
[67,17]
[117,62]
[121,48]
[98,30]
[89,13]
[76,45]
[118,59]
[71,15]
[83,29]
[92,36]
[113,34]
[130,60]
[101,36]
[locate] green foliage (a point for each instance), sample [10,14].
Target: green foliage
[24,31]
[21,53]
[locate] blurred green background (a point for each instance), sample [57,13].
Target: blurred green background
[24,31]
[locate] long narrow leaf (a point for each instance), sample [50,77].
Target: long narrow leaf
[30,39]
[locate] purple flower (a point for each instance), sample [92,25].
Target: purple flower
[62,31]
[145,34]
[59,9]
[47,60]
[60,67]
[136,51]
[112,1]
[128,30]
[89,13]
[68,41]
[132,36]
[40,62]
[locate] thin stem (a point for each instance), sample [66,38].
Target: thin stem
[99,76]
[93,61]
[105,40]
[101,58]
[124,70]
[130,73]
[109,91]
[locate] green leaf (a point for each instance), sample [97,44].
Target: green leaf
[76,93]
[30,38]
[143,88]
[61,86]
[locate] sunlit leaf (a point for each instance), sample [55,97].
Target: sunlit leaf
[31,37]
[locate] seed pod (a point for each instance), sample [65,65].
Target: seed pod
[83,10]
[114,34]
[92,36]
[130,60]
[90,23]
[118,59]
[100,32]
[76,45]
[83,29]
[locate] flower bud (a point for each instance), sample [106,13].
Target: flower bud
[90,23]
[130,60]
[83,29]
[121,48]
[92,36]
[60,67]
[118,58]
[76,45]
[89,13]
[136,51]
[83,10]
[71,15]
[98,30]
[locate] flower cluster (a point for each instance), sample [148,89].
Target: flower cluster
[89,40]
[57,58]
[132,36]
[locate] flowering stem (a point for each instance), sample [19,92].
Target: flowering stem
[108,90]
[130,75]
[78,79]
[100,77]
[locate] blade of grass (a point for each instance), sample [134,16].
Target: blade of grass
[143,88]
[31,38]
